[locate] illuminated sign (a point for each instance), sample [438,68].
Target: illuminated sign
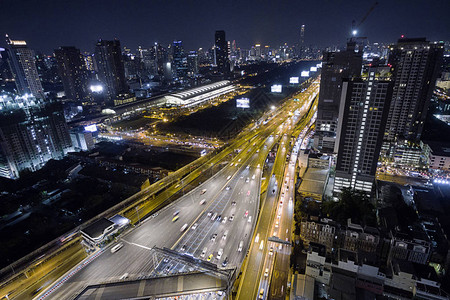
[313,69]
[276,88]
[91,128]
[305,74]
[243,103]
[293,80]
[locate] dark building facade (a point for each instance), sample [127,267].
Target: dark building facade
[221,52]
[336,66]
[363,113]
[180,68]
[73,72]
[22,63]
[415,64]
[110,67]
[31,133]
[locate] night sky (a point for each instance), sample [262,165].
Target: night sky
[48,24]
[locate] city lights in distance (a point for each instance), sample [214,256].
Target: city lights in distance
[96,88]
[293,80]
[305,74]
[276,88]
[243,103]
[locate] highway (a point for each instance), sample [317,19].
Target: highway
[277,207]
[239,181]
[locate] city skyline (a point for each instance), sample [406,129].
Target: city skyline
[257,22]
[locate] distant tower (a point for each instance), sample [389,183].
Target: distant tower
[111,71]
[302,42]
[221,52]
[179,60]
[73,72]
[22,63]
[302,35]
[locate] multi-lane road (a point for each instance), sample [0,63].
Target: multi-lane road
[231,196]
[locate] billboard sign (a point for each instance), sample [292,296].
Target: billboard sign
[305,74]
[293,80]
[276,88]
[243,103]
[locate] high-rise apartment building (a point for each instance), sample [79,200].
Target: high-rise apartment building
[415,65]
[363,113]
[110,68]
[31,133]
[22,63]
[73,72]
[336,66]
[221,52]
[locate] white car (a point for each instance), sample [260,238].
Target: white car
[249,219]
[219,254]
[266,273]
[241,244]
[194,226]
[203,252]
[224,220]
[224,237]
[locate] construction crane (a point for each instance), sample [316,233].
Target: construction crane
[355,27]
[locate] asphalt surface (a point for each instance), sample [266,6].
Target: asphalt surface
[136,258]
[239,181]
[260,270]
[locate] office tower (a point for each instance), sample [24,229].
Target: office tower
[110,68]
[73,72]
[302,42]
[336,66]
[23,67]
[258,51]
[31,133]
[302,35]
[192,61]
[363,113]
[179,60]
[221,52]
[415,65]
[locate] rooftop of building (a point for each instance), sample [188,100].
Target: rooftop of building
[97,228]
[314,181]
[439,148]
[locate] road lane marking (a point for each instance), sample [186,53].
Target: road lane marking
[131,243]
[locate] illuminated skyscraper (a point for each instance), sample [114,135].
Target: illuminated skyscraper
[336,66]
[179,60]
[23,67]
[363,112]
[415,65]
